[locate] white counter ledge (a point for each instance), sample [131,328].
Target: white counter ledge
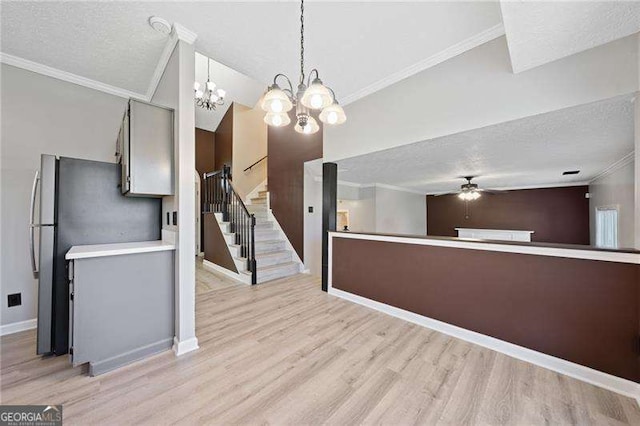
[101,250]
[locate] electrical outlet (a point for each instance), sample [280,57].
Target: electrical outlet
[175,218]
[310,209]
[14,299]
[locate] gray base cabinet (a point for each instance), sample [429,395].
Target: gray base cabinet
[145,149]
[122,308]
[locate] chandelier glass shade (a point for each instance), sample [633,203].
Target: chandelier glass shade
[311,95]
[469,195]
[469,191]
[208,97]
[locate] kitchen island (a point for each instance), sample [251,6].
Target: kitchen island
[122,302]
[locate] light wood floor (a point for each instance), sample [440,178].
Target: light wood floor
[287,353]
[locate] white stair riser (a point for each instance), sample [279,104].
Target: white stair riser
[276,273]
[270,234]
[265,247]
[273,260]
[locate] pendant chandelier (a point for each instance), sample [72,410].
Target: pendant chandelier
[311,95]
[209,98]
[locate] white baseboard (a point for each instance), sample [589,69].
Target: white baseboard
[16,327]
[186,346]
[577,371]
[224,271]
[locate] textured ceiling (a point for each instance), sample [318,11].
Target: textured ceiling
[239,88]
[527,152]
[353,44]
[110,43]
[541,32]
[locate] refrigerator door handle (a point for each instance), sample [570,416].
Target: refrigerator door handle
[32,226]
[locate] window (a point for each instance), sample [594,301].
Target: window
[607,227]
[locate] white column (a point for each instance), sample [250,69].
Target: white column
[185,337]
[637,152]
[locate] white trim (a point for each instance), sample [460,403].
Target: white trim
[181,348]
[577,371]
[183,33]
[224,271]
[524,248]
[16,327]
[36,67]
[162,64]
[442,56]
[627,159]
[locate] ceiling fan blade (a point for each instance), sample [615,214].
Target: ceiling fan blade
[492,191]
[445,193]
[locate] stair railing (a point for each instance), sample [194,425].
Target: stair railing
[221,197]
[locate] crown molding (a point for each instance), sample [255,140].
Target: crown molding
[36,67]
[517,188]
[184,34]
[627,159]
[444,55]
[396,188]
[162,64]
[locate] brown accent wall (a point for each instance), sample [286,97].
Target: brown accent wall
[215,248]
[224,141]
[583,311]
[557,215]
[205,151]
[288,151]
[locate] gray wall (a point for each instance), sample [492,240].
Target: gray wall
[167,95]
[383,209]
[400,212]
[42,115]
[615,189]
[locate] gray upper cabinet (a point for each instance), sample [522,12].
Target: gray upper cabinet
[145,146]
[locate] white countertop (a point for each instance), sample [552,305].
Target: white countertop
[101,250]
[494,230]
[540,249]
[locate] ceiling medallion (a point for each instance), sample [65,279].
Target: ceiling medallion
[209,98]
[311,95]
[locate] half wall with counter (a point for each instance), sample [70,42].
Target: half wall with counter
[567,308]
[122,302]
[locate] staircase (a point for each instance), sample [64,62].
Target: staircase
[274,258]
[257,244]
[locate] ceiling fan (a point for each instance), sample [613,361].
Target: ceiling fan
[469,191]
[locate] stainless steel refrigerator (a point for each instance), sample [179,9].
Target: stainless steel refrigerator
[80,202]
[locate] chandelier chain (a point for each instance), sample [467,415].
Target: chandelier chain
[301,41]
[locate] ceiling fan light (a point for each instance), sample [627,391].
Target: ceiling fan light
[277,119]
[310,128]
[317,96]
[333,114]
[276,101]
